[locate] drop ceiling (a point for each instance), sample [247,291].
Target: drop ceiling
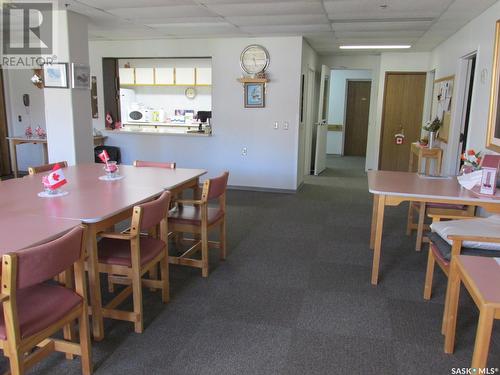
[325,24]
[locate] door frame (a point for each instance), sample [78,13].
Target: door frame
[382,127]
[310,80]
[5,164]
[461,92]
[342,151]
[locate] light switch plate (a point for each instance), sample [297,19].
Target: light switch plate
[285,125]
[276,125]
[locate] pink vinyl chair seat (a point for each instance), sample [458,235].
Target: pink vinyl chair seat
[39,306]
[117,252]
[446,205]
[192,215]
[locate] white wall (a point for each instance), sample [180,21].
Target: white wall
[337,105]
[478,35]
[272,154]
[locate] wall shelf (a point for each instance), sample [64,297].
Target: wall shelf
[253,80]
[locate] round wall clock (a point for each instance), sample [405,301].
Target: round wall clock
[254,59]
[190,92]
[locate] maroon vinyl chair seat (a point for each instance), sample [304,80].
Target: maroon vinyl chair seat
[40,306]
[191,215]
[117,252]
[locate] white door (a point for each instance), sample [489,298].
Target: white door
[309,120]
[322,125]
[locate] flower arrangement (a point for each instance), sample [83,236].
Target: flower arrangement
[472,159]
[433,126]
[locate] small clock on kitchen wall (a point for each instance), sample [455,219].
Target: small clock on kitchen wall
[190,92]
[254,60]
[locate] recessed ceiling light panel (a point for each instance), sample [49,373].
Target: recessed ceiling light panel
[394,46]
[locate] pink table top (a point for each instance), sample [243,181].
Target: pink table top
[21,231]
[90,199]
[485,275]
[411,185]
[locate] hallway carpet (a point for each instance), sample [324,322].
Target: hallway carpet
[294,297]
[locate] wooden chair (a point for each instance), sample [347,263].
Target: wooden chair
[127,256]
[33,309]
[441,252]
[198,218]
[154,164]
[46,167]
[444,211]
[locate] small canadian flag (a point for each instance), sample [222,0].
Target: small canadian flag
[55,179]
[104,156]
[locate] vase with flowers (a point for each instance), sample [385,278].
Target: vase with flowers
[433,127]
[472,161]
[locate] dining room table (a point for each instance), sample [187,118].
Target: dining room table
[391,188]
[96,202]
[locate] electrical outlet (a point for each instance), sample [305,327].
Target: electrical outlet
[276,125]
[244,151]
[285,125]
[20,118]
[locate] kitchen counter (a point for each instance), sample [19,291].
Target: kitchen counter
[156,131]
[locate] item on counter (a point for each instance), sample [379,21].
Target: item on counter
[28,132]
[109,121]
[472,159]
[158,115]
[40,132]
[178,119]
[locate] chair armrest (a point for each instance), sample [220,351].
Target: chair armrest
[190,201]
[116,236]
[3,297]
[465,237]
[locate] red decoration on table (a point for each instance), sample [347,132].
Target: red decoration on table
[55,179]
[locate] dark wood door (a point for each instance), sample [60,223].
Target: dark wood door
[356,124]
[402,113]
[4,145]
[110,85]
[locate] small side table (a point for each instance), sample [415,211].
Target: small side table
[14,141]
[424,152]
[481,278]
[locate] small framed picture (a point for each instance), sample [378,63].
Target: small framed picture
[80,76]
[55,75]
[254,95]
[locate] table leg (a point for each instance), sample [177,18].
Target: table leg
[410,164]
[94,284]
[45,153]
[378,239]
[483,337]
[451,308]
[374,221]
[419,162]
[13,157]
[420,227]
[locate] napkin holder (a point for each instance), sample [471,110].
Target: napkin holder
[490,172]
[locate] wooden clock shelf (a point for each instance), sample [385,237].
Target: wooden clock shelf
[253,80]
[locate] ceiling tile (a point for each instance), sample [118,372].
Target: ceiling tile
[278,20]
[162,12]
[381,26]
[370,9]
[267,9]
[284,29]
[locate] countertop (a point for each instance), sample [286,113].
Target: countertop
[156,131]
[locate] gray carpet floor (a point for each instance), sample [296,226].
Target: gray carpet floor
[294,297]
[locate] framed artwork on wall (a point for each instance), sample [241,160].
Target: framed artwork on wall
[493,140]
[55,75]
[255,95]
[81,76]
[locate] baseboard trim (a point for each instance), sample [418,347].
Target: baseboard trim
[261,189]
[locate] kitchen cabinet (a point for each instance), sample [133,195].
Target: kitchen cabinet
[144,76]
[203,76]
[164,76]
[127,76]
[185,76]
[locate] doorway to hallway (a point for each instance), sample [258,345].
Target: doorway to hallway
[4,146]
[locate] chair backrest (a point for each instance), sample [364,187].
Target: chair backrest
[215,187]
[46,167]
[152,213]
[154,164]
[40,263]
